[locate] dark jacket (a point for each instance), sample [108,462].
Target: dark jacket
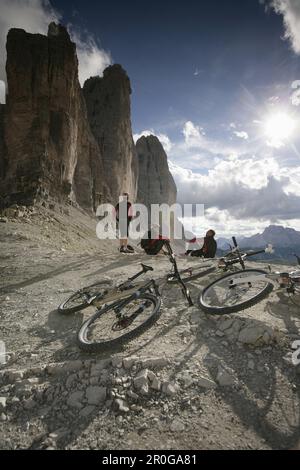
[208,250]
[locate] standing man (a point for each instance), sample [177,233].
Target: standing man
[124,217]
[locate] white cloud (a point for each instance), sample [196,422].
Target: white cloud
[2,92]
[200,151]
[275,143]
[92,60]
[244,187]
[241,135]
[295,98]
[163,138]
[34,16]
[290,10]
[250,188]
[194,135]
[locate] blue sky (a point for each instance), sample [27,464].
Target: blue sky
[216,80]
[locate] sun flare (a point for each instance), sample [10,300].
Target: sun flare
[279,127]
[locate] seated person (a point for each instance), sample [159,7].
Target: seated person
[209,247]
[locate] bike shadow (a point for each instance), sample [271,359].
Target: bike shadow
[287,311]
[256,399]
[59,332]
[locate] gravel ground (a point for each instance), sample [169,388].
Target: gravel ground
[192,381]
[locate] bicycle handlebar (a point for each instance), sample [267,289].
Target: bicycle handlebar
[238,253]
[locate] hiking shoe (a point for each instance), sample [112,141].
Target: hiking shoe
[129,248]
[124,250]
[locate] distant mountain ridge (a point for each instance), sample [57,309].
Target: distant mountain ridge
[286,242]
[276,235]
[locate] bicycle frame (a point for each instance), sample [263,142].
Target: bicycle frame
[125,293]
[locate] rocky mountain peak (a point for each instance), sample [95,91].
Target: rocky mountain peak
[58,30]
[109,113]
[156,184]
[50,148]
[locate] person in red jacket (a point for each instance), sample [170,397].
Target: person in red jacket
[124,216]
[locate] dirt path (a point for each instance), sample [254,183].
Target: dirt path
[191,382]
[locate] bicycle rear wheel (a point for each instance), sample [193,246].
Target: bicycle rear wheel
[220,297]
[119,322]
[82,298]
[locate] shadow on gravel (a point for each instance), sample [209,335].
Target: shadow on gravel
[268,401]
[115,265]
[287,311]
[59,333]
[280,430]
[49,275]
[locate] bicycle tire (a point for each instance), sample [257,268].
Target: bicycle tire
[237,307]
[87,345]
[81,306]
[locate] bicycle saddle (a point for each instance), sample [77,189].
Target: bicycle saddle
[146,268]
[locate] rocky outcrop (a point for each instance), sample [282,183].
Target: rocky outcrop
[108,104]
[2,142]
[50,148]
[156,184]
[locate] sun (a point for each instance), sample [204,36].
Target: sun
[279,127]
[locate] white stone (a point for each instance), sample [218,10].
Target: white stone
[96,395]
[177,426]
[154,362]
[225,379]
[225,324]
[252,335]
[75,399]
[132,395]
[15,375]
[195,318]
[29,404]
[141,379]
[169,389]
[206,383]
[156,384]
[117,362]
[128,362]
[121,405]
[87,411]
[3,403]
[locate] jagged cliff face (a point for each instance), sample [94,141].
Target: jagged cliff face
[108,104]
[59,141]
[2,142]
[156,184]
[50,148]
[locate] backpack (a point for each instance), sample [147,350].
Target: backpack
[152,246]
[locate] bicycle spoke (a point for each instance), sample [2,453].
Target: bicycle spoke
[222,294]
[114,323]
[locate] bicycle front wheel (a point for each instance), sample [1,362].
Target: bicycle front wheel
[235,292]
[119,322]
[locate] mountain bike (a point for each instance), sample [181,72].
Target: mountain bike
[104,291]
[129,309]
[243,289]
[132,308]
